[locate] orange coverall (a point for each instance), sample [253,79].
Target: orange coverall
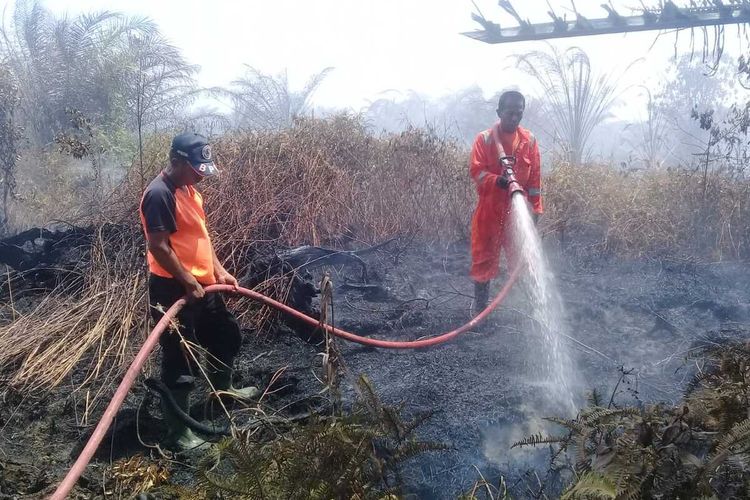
[490,225]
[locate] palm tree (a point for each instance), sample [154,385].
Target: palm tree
[262,101]
[157,84]
[575,100]
[101,65]
[9,135]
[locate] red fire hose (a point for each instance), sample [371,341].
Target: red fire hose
[122,390]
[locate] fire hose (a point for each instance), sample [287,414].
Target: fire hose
[132,373]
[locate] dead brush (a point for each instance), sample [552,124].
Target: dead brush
[133,475]
[330,181]
[277,188]
[86,331]
[259,316]
[84,326]
[651,213]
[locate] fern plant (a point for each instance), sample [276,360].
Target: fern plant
[698,449]
[355,456]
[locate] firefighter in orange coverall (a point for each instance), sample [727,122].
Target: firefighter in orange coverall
[491,225]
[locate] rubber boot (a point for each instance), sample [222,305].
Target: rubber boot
[180,437]
[221,380]
[481,297]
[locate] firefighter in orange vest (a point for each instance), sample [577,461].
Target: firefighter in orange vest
[490,226]
[181,261]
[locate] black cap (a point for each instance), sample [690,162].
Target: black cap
[196,150]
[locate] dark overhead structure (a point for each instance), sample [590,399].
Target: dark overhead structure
[668,16]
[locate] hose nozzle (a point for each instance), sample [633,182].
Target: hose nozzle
[508,163]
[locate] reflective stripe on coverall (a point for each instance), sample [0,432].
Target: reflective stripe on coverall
[490,229]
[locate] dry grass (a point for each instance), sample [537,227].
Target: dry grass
[330,182]
[654,213]
[128,477]
[86,329]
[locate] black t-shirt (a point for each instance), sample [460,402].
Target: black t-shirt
[159,205]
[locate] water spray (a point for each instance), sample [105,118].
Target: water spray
[555,372]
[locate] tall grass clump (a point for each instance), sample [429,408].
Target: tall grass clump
[652,213]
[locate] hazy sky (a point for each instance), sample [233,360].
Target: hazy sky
[374,45]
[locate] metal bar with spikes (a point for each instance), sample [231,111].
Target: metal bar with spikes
[668,17]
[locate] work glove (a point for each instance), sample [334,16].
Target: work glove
[503,181]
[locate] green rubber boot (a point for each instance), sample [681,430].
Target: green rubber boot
[221,380]
[180,437]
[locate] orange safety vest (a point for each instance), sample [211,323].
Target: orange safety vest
[189,241]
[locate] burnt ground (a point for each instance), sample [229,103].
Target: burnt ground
[643,316]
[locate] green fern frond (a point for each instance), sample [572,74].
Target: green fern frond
[230,483]
[574,426]
[591,485]
[631,490]
[349,456]
[392,423]
[537,440]
[320,492]
[583,460]
[412,425]
[415,448]
[368,396]
[595,415]
[736,440]
[625,442]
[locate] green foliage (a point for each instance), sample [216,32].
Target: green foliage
[697,449]
[10,134]
[537,440]
[115,70]
[591,486]
[356,456]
